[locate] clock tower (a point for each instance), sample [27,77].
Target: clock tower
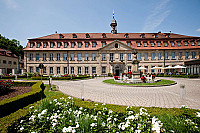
[113,25]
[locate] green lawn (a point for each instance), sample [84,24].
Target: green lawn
[162,82]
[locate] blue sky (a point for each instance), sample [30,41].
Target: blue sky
[23,19]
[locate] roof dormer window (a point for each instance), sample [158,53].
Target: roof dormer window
[129,43]
[104,35]
[38,45]
[31,45]
[143,35]
[156,36]
[87,36]
[74,36]
[126,35]
[61,36]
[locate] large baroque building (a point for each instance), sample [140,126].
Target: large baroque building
[103,53]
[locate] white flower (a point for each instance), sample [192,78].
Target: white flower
[77,125]
[22,128]
[64,130]
[123,127]
[69,98]
[73,131]
[138,131]
[55,100]
[93,124]
[44,112]
[198,114]
[54,124]
[115,119]
[54,120]
[110,111]
[21,121]
[39,116]
[96,104]
[103,124]
[32,118]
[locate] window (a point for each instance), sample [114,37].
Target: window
[104,35]
[129,43]
[116,45]
[31,56]
[139,56]
[165,43]
[172,44]
[159,56]
[86,70]
[126,35]
[179,44]
[44,45]
[9,62]
[72,57]
[156,36]
[199,55]
[94,44]
[72,45]
[166,55]
[158,44]
[37,69]
[87,36]
[152,70]
[129,68]
[44,70]
[186,55]
[192,43]
[143,36]
[74,36]
[51,70]
[79,57]
[15,63]
[145,44]
[173,55]
[129,56]
[193,55]
[37,57]
[58,44]
[121,56]
[44,56]
[86,44]
[152,44]
[198,43]
[72,70]
[180,55]
[103,44]
[65,45]
[146,70]
[111,56]
[58,70]
[51,56]
[31,45]
[103,56]
[64,56]
[51,45]
[58,56]
[152,56]
[104,70]
[86,56]
[138,44]
[4,61]
[30,69]
[79,45]
[93,70]
[38,45]
[145,56]
[79,70]
[65,70]
[186,43]
[93,56]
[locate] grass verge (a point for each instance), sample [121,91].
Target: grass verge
[162,82]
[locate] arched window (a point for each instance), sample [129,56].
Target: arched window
[116,45]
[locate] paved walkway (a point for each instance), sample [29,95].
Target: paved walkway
[166,96]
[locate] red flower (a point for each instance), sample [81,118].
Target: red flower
[130,72]
[153,76]
[116,77]
[143,79]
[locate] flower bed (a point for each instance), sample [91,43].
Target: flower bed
[5,85]
[61,115]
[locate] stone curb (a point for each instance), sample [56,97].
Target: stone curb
[143,85]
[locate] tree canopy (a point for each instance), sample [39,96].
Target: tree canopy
[11,45]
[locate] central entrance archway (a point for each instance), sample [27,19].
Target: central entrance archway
[117,69]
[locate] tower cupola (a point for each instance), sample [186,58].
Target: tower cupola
[113,25]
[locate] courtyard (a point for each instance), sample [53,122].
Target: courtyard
[165,96]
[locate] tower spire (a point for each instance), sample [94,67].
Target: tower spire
[113,25]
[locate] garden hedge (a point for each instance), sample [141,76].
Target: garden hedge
[13,104]
[60,78]
[178,76]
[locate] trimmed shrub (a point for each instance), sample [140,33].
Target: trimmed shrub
[10,105]
[61,78]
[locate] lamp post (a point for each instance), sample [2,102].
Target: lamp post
[41,66]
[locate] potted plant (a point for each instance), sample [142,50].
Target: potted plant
[143,78]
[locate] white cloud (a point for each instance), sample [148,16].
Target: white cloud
[156,17]
[11,4]
[198,30]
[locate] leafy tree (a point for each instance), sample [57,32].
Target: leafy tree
[11,45]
